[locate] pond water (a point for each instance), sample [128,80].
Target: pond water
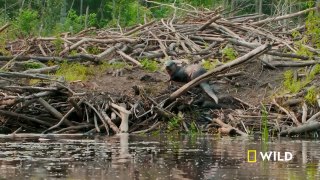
[157,157]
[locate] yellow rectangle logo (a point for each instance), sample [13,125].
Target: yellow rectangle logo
[254,152]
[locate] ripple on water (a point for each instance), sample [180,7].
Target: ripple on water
[151,157]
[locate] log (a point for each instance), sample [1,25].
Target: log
[127,57]
[124,126]
[138,28]
[46,136]
[305,128]
[24,117]
[44,70]
[209,22]
[287,16]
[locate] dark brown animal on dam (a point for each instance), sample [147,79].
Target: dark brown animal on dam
[188,73]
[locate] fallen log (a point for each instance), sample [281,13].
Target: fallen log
[310,126]
[287,16]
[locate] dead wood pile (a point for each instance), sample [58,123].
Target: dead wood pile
[51,106]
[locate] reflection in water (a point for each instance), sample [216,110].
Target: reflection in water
[155,157]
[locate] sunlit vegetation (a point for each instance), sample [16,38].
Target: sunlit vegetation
[74,71]
[150,65]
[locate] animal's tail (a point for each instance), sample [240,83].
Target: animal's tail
[206,87]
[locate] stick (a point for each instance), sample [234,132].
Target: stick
[124,55]
[4,27]
[109,121]
[222,124]
[124,126]
[287,16]
[24,117]
[53,111]
[210,21]
[289,113]
[49,136]
[63,118]
[304,113]
[44,70]
[138,28]
[154,126]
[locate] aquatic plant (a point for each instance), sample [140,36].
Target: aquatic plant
[264,119]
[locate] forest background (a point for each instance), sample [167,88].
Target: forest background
[51,17]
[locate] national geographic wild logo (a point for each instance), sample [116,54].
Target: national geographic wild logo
[268,156]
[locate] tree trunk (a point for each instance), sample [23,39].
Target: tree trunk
[63,12]
[259,6]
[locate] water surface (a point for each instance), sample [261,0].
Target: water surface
[155,157]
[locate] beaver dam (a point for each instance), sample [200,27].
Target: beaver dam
[109,81]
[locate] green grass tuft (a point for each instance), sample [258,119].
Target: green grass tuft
[74,71]
[150,65]
[311,96]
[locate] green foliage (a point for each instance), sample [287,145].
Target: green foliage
[126,12]
[150,65]
[75,23]
[302,49]
[106,65]
[33,65]
[193,128]
[93,50]
[315,70]
[3,42]
[311,96]
[290,83]
[311,36]
[175,122]
[295,85]
[207,64]
[58,45]
[229,53]
[74,71]
[313,28]
[265,133]
[27,22]
[73,53]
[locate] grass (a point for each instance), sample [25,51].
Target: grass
[265,133]
[208,65]
[290,83]
[77,71]
[294,86]
[33,65]
[174,123]
[311,96]
[229,53]
[150,65]
[106,65]
[57,43]
[74,71]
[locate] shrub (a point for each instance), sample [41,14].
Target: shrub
[27,22]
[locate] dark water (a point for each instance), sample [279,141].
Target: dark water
[156,157]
